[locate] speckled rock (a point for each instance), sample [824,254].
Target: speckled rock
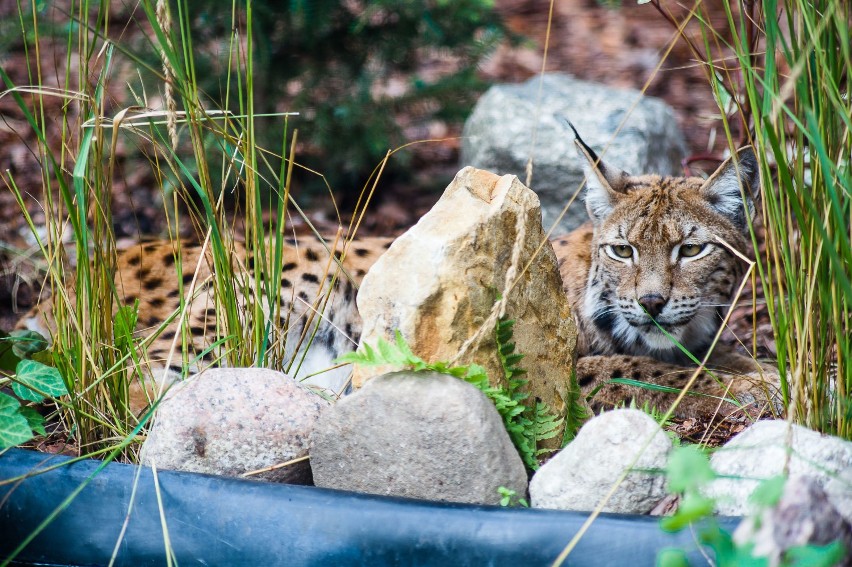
[583,473]
[229,421]
[418,435]
[761,452]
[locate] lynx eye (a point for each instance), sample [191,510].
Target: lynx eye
[622,250]
[690,250]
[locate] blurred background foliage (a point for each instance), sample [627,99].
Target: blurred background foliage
[357,72]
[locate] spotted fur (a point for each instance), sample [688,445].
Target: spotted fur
[618,301]
[652,275]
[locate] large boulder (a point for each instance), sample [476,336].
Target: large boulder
[509,124]
[438,282]
[773,447]
[584,472]
[229,421]
[418,435]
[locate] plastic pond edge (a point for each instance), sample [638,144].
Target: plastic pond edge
[223,521]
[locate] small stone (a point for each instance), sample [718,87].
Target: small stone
[500,132]
[417,435]
[584,472]
[229,421]
[761,452]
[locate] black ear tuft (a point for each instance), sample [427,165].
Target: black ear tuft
[578,140]
[605,184]
[736,178]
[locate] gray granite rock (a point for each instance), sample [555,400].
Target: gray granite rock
[417,435]
[499,137]
[580,475]
[761,452]
[229,421]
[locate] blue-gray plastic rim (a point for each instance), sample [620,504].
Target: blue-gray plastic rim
[221,521]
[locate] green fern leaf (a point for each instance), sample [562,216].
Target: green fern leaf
[576,414]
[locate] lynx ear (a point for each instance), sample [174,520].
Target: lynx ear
[605,184]
[735,179]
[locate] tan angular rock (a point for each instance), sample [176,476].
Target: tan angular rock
[438,282]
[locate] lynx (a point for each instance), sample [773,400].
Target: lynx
[648,277]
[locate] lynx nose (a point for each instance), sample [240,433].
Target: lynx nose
[653,303]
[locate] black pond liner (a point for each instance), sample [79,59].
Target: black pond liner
[220,521]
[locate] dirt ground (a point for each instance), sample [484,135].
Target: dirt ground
[625,47]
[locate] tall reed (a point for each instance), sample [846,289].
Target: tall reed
[789,81]
[76,196]
[92,347]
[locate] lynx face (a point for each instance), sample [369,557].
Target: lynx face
[662,268]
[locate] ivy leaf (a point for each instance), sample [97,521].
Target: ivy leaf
[727,552]
[8,358]
[41,379]
[26,343]
[8,404]
[35,421]
[14,428]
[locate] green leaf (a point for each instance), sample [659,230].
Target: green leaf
[8,359]
[397,353]
[404,348]
[45,357]
[387,351]
[692,507]
[354,357]
[661,388]
[125,324]
[45,379]
[672,557]
[8,404]
[25,342]
[577,412]
[35,420]
[815,555]
[769,492]
[14,428]
[688,469]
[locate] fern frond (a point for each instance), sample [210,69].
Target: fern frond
[526,425]
[576,414]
